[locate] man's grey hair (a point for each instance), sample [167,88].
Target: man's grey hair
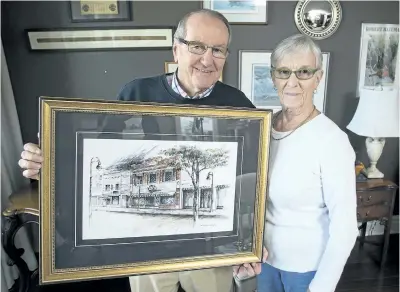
[294,44]
[181,29]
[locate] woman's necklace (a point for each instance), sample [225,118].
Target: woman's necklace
[302,123]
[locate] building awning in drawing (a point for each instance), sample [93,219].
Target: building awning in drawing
[189,186]
[154,194]
[151,167]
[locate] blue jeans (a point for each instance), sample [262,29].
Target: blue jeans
[274,280]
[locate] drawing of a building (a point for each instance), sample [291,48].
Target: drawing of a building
[155,186]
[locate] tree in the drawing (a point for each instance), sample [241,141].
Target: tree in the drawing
[128,162]
[131,162]
[194,160]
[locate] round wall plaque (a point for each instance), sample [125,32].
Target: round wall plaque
[318,19]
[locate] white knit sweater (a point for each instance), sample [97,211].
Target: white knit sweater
[311,213]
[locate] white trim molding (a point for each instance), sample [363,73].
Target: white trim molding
[83,39]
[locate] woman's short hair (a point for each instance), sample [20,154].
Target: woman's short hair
[294,44]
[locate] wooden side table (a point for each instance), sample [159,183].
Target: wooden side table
[23,209]
[375,201]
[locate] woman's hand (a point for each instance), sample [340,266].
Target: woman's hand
[246,271]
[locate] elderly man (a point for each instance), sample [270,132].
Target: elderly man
[200,48]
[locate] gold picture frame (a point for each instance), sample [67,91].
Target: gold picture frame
[170,67]
[240,12]
[105,10]
[91,198]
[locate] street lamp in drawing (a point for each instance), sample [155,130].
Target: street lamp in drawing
[98,166]
[210,175]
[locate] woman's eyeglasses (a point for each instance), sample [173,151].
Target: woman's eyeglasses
[285,73]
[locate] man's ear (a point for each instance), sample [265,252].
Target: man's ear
[175,53]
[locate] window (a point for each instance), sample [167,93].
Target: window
[168,176]
[152,177]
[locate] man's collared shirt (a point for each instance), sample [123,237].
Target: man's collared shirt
[173,82]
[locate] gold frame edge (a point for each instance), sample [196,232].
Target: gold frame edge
[48,108]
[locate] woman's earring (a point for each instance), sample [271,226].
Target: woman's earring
[315,91]
[275,88]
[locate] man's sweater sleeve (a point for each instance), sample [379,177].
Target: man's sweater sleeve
[339,190]
[127,92]
[132,92]
[115,123]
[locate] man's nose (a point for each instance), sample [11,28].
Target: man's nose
[207,58]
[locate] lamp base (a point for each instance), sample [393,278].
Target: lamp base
[374,173]
[374,150]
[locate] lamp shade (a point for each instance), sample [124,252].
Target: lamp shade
[377,114]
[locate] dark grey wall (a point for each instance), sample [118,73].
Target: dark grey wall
[101,74]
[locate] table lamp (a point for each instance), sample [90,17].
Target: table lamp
[377,118]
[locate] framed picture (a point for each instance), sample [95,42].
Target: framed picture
[240,12]
[379,63]
[152,188]
[84,11]
[256,82]
[98,38]
[171,67]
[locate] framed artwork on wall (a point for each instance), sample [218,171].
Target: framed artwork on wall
[256,82]
[379,61]
[101,38]
[88,11]
[155,188]
[240,12]
[170,67]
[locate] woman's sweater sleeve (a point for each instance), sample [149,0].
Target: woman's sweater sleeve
[339,191]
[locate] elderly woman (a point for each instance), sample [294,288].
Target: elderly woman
[311,223]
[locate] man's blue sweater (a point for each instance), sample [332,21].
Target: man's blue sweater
[157,89]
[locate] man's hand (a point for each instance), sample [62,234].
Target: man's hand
[249,270]
[31,160]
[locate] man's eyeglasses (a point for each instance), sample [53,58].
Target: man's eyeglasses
[301,74]
[199,48]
